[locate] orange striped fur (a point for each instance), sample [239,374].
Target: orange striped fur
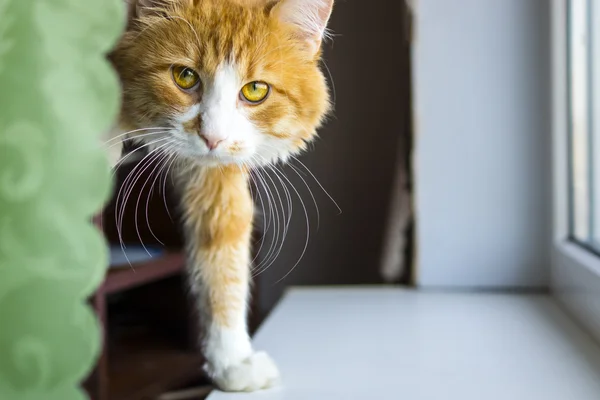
[217,136]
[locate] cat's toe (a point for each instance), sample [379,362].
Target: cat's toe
[254,373]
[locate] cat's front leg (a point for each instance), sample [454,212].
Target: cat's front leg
[218,211]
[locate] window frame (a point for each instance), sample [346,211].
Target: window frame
[575,270]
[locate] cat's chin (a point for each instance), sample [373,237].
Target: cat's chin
[214,161]
[250,159]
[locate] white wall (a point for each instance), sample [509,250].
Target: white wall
[482,125]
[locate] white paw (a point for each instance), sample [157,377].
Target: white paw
[254,373]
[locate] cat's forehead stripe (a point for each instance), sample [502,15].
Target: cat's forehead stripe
[230,33]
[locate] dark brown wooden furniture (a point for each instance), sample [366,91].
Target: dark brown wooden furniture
[139,365]
[148,318]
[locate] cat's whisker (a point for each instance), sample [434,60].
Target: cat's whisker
[128,176]
[148,164]
[129,185]
[164,185]
[117,212]
[159,165]
[136,137]
[268,262]
[262,204]
[124,158]
[278,241]
[274,214]
[121,208]
[290,207]
[274,218]
[289,200]
[120,211]
[332,83]
[270,217]
[258,195]
[258,179]
[318,183]
[270,200]
[290,211]
[283,224]
[295,169]
[282,220]
[134,131]
[307,230]
[169,155]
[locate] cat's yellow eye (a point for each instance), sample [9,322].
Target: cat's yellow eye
[255,92]
[186,78]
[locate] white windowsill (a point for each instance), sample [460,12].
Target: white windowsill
[388,343]
[580,255]
[576,283]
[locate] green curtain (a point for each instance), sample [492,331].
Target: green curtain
[58,94]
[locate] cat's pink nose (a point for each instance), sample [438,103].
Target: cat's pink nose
[211,142]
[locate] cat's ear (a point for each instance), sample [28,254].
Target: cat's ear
[310,18]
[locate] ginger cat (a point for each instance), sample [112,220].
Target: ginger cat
[222,87]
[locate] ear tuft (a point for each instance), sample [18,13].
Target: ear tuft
[148,7]
[310,17]
[143,8]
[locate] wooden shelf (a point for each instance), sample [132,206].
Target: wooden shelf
[128,277]
[143,368]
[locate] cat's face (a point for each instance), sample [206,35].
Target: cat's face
[224,81]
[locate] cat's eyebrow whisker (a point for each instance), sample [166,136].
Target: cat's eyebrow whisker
[262,41]
[134,131]
[263,56]
[191,27]
[146,27]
